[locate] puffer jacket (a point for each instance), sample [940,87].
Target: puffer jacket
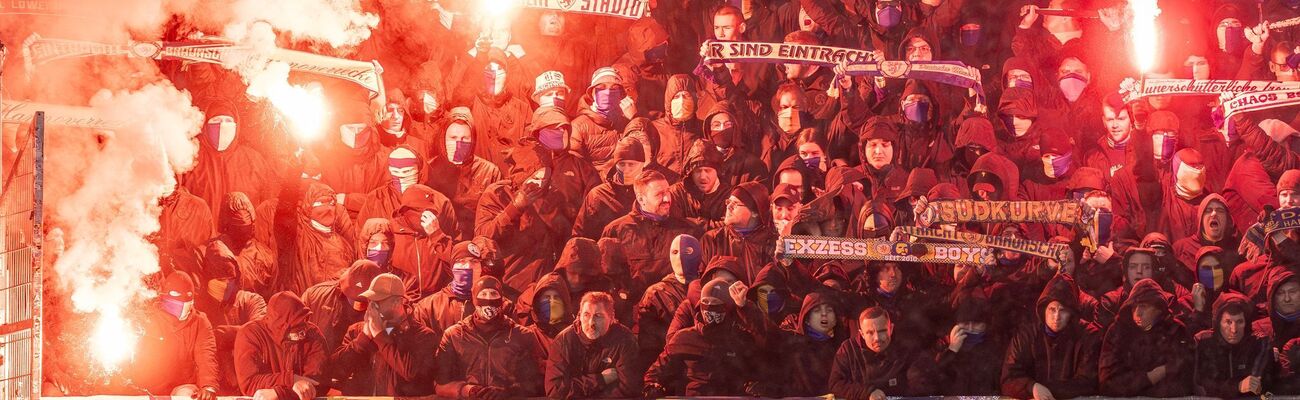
[265,358]
[1220,366]
[1128,352]
[1065,362]
[574,364]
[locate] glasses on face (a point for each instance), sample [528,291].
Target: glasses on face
[720,125]
[921,48]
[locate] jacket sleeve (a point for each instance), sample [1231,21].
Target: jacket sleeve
[831,20]
[252,370]
[1275,157]
[1018,367]
[530,373]
[629,370]
[1083,380]
[581,227]
[1205,376]
[497,217]
[564,380]
[841,382]
[666,369]
[407,360]
[205,355]
[450,372]
[1117,378]
[355,350]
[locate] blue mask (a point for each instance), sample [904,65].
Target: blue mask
[1234,40]
[1292,3]
[975,338]
[607,101]
[889,16]
[970,37]
[1210,278]
[657,54]
[1021,83]
[1061,165]
[774,303]
[918,112]
[1009,122]
[812,162]
[379,256]
[462,280]
[551,138]
[814,335]
[1105,220]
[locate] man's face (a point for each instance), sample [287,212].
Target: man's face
[919,50]
[810,150]
[1288,198]
[1018,75]
[727,27]
[1140,266]
[595,319]
[551,23]
[459,132]
[322,210]
[655,198]
[630,168]
[890,278]
[791,177]
[550,97]
[1117,124]
[1057,316]
[880,152]
[396,116]
[1145,315]
[1277,64]
[379,241]
[389,309]
[784,210]
[1073,66]
[822,319]
[1287,298]
[1232,327]
[1200,67]
[1098,203]
[737,214]
[877,333]
[1214,221]
[705,179]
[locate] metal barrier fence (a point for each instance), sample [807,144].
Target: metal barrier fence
[20,261]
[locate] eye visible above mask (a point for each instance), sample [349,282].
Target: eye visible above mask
[918,111]
[551,137]
[459,151]
[970,36]
[1072,86]
[888,16]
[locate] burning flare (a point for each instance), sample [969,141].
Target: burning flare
[303,105]
[1145,36]
[113,340]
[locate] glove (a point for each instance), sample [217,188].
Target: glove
[654,390]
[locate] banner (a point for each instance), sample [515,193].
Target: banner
[629,9]
[1282,220]
[1134,89]
[725,51]
[953,73]
[22,112]
[960,211]
[1259,101]
[38,51]
[1055,251]
[835,248]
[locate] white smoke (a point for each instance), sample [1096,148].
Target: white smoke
[107,217]
[339,23]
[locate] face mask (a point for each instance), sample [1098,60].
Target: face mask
[428,102]
[403,172]
[722,138]
[488,312]
[970,37]
[713,314]
[1211,278]
[221,131]
[682,108]
[813,163]
[552,138]
[179,309]
[789,120]
[1072,86]
[552,309]
[887,17]
[222,290]
[462,279]
[917,112]
[459,151]
[556,101]
[973,338]
[1058,166]
[1234,40]
[354,136]
[494,80]
[1105,219]
[1189,181]
[657,54]
[379,256]
[1021,83]
[1164,146]
[1010,122]
[607,101]
[771,303]
[970,154]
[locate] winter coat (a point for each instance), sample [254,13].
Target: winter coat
[1220,366]
[1065,362]
[395,363]
[497,354]
[1128,352]
[646,243]
[264,356]
[899,371]
[574,364]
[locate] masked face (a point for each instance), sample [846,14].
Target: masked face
[223,290]
[888,14]
[970,35]
[551,23]
[428,103]
[322,212]
[627,168]
[770,302]
[713,311]
[553,137]
[403,168]
[1057,165]
[788,118]
[916,108]
[396,119]
[682,106]
[462,277]
[494,79]
[1074,77]
[1164,144]
[487,304]
[685,261]
[354,135]
[1209,274]
[812,156]
[459,144]
[553,98]
[221,131]
[1231,36]
[595,319]
[1145,315]
[1019,78]
[177,307]
[877,332]
[606,99]
[1198,67]
[550,307]
[722,131]
[379,249]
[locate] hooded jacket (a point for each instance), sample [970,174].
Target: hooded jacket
[995,166]
[1273,325]
[497,353]
[400,361]
[1220,366]
[653,313]
[308,256]
[529,310]
[381,201]
[228,313]
[611,199]
[355,169]
[184,353]
[1022,103]
[1128,352]
[675,138]
[529,238]
[740,160]
[807,356]
[712,360]
[238,168]
[595,138]
[501,120]
[646,243]
[463,184]
[418,258]
[571,174]
[265,357]
[1065,362]
[237,230]
[964,372]
[702,209]
[752,249]
[1186,249]
[857,371]
[185,224]
[574,364]
[332,303]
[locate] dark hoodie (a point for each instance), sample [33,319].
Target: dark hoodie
[675,138]
[646,242]
[498,353]
[997,170]
[532,312]
[308,255]
[1065,362]
[974,132]
[502,120]
[1128,352]
[753,248]
[611,199]
[712,359]
[418,257]
[1220,366]
[401,361]
[529,238]
[265,357]
[463,184]
[236,225]
[1187,248]
[1019,102]
[238,168]
[857,371]
[964,372]
[574,364]
[233,309]
[381,201]
[703,209]
[1274,325]
[571,175]
[806,355]
[334,304]
[739,148]
[595,137]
